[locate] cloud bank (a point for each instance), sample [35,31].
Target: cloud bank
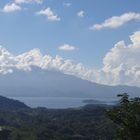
[121,65]
[116,21]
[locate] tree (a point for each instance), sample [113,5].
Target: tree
[4,134]
[127,117]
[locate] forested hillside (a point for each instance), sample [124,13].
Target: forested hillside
[91,122]
[85,123]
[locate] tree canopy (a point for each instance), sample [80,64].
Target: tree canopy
[127,117]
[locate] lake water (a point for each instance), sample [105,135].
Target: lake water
[57,102]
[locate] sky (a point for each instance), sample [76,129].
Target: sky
[82,35]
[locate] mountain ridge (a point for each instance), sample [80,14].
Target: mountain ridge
[7,104]
[44,83]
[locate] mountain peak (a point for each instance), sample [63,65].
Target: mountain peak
[45,83]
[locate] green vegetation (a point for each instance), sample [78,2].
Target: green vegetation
[91,122]
[11,105]
[86,123]
[127,116]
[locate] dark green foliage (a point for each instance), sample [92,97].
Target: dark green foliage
[87,123]
[5,134]
[10,104]
[127,116]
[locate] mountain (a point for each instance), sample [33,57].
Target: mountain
[11,105]
[45,83]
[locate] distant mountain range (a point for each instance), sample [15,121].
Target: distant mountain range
[43,83]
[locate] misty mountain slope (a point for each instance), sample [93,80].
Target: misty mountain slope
[55,84]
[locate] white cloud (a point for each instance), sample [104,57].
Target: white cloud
[11,7]
[67,47]
[121,65]
[67,4]
[25,61]
[7,61]
[16,5]
[49,13]
[28,1]
[81,14]
[116,21]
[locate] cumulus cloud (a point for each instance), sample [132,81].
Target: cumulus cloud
[7,61]
[49,13]
[11,7]
[121,65]
[67,47]
[81,14]
[25,61]
[116,21]
[16,5]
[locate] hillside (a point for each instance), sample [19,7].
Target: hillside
[11,105]
[84,123]
[43,83]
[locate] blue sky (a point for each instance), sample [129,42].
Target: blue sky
[23,30]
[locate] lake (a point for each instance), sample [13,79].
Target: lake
[58,102]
